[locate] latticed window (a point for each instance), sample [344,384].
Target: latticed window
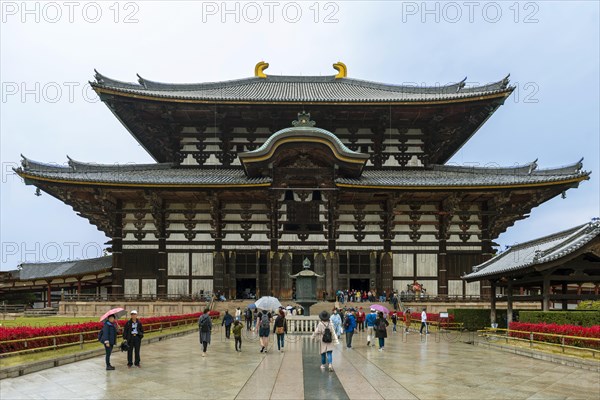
[302,216]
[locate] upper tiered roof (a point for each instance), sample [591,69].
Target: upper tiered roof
[300,89]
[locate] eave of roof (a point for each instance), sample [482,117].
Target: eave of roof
[434,178]
[300,89]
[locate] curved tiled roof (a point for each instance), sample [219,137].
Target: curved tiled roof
[538,251]
[281,88]
[166,174]
[31,271]
[304,131]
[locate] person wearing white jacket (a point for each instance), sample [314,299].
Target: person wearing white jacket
[423,322]
[325,334]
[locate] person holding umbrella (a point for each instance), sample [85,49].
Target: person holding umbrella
[109,338]
[133,334]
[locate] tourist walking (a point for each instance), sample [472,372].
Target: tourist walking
[227,321]
[360,319]
[370,321]
[237,335]
[248,315]
[325,334]
[238,314]
[337,322]
[280,329]
[349,326]
[133,334]
[109,338]
[264,327]
[407,320]
[423,322]
[381,325]
[394,321]
[205,327]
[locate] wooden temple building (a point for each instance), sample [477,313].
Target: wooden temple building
[253,175]
[561,268]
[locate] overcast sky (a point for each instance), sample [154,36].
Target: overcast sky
[49,52]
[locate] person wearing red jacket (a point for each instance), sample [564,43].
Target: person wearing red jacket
[360,319]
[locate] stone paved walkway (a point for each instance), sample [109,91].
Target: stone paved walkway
[409,368]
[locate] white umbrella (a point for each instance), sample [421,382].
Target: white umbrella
[268,303]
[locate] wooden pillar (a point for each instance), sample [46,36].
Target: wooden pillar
[487,251]
[597,289]
[218,271]
[546,293]
[319,260]
[509,305]
[493,302]
[373,276]
[258,291]
[386,263]
[329,274]
[78,288]
[232,286]
[49,294]
[565,302]
[275,274]
[285,279]
[118,262]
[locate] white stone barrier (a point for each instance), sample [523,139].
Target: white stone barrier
[301,323]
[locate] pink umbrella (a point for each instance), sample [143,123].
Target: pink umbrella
[117,312]
[380,308]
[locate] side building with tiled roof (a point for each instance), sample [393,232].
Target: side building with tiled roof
[254,175]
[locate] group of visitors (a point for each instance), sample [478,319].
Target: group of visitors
[328,331]
[133,332]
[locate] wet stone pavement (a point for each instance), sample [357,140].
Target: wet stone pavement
[410,367]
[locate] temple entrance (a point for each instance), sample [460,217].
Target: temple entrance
[246,288]
[359,284]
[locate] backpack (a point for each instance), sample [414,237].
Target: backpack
[264,322]
[204,328]
[382,325]
[327,338]
[347,322]
[100,335]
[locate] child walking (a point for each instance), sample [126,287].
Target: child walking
[237,335]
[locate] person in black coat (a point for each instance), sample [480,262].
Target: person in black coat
[381,325]
[109,338]
[133,333]
[227,321]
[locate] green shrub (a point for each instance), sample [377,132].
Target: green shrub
[580,318]
[589,305]
[477,318]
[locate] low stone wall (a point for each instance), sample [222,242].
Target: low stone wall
[144,308]
[160,308]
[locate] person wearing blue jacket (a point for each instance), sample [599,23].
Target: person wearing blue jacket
[370,321]
[349,326]
[227,321]
[109,338]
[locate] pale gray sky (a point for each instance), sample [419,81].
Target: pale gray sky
[50,49]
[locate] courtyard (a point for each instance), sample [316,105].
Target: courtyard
[410,367]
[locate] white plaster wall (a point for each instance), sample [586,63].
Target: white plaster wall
[202,264]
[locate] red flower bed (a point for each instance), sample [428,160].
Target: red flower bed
[89,330]
[568,330]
